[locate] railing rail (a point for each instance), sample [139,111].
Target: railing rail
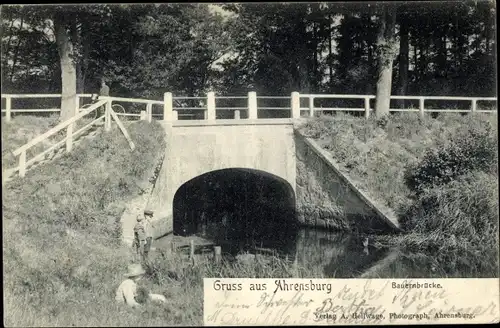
[176,106]
[367,108]
[70,135]
[59,127]
[8,110]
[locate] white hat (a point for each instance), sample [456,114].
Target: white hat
[134,270]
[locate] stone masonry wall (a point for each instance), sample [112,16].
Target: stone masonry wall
[325,199]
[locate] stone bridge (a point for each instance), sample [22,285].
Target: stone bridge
[204,155]
[264,147]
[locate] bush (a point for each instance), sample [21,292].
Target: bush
[458,222]
[472,149]
[467,206]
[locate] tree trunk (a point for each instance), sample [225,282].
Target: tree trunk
[415,59]
[7,47]
[404,50]
[369,80]
[490,22]
[16,51]
[76,41]
[330,59]
[315,59]
[385,50]
[442,51]
[68,68]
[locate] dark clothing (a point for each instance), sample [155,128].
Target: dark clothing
[104,91]
[147,247]
[139,240]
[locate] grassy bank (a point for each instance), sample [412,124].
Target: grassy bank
[439,175]
[63,259]
[21,130]
[61,245]
[24,128]
[62,254]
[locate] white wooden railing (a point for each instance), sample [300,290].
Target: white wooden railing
[421,101]
[207,104]
[148,108]
[253,105]
[70,135]
[8,110]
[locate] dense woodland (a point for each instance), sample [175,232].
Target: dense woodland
[413,48]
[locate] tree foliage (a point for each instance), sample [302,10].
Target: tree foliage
[277,48]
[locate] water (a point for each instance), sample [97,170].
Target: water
[245,210]
[334,255]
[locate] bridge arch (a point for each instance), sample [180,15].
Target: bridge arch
[249,207]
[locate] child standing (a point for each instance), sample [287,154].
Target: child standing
[139,237]
[148,228]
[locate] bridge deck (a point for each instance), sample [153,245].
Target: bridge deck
[259,121]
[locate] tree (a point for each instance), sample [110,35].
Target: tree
[385,57]
[404,51]
[68,65]
[145,50]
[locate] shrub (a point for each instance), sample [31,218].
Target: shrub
[470,150]
[457,223]
[467,206]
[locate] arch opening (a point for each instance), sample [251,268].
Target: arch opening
[238,209]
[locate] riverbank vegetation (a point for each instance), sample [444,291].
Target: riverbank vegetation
[63,257]
[61,231]
[440,175]
[62,253]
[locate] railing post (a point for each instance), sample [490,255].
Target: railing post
[295,104]
[421,106]
[191,252]
[252,105]
[143,115]
[149,112]
[236,114]
[167,106]
[22,164]
[311,106]
[367,107]
[8,105]
[473,105]
[107,116]
[77,104]
[69,137]
[210,114]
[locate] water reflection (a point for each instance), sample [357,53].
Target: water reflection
[334,254]
[245,210]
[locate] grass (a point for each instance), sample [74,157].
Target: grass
[24,128]
[63,258]
[377,154]
[439,175]
[62,253]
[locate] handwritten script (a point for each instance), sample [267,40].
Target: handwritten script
[249,302]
